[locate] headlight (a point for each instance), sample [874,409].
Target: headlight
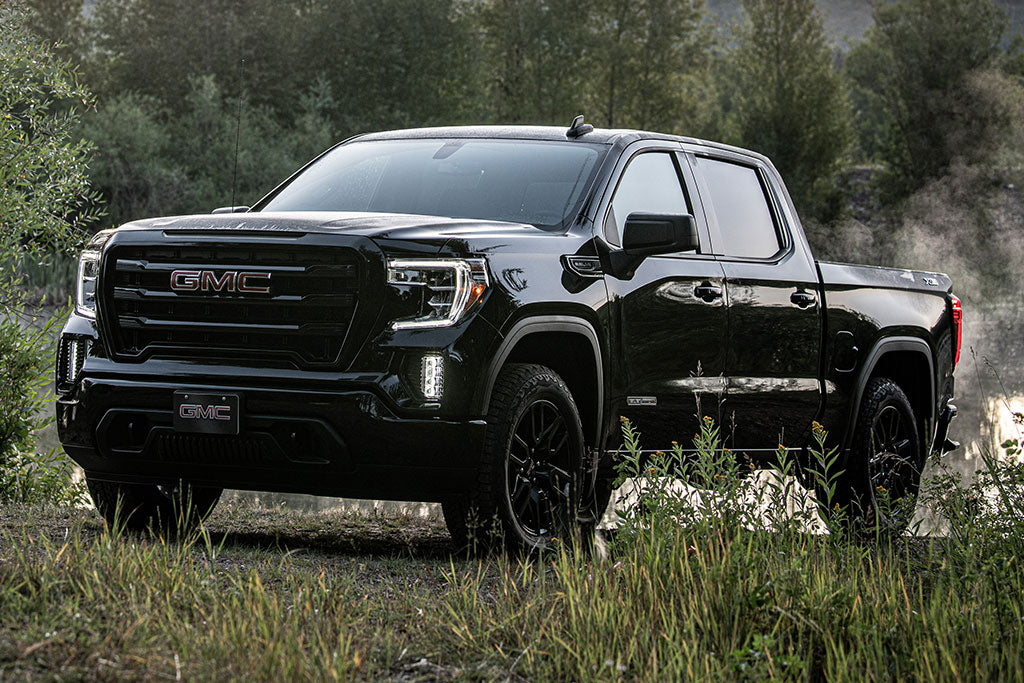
[88,274]
[449,287]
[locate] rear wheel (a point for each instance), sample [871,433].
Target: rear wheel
[173,509]
[878,492]
[528,483]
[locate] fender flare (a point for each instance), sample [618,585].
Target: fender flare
[541,324]
[881,347]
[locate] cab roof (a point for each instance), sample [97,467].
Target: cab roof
[601,136]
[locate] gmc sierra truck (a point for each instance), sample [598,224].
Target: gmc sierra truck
[462,315]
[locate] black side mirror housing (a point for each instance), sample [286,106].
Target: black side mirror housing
[230,209]
[647,234]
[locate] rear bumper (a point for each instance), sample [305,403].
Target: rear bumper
[344,442]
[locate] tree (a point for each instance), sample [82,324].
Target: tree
[535,53]
[44,208]
[911,70]
[652,60]
[789,99]
[58,22]
[44,186]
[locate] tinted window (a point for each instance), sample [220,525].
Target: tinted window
[741,207]
[507,180]
[650,184]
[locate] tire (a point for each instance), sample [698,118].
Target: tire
[529,474]
[172,510]
[877,493]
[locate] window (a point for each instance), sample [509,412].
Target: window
[522,181]
[650,184]
[739,201]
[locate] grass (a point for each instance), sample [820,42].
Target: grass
[274,594]
[269,593]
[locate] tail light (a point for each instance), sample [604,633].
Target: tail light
[958,317]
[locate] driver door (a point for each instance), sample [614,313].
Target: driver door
[670,316]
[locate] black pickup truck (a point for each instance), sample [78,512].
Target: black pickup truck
[462,315]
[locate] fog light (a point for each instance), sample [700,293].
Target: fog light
[432,377]
[70,358]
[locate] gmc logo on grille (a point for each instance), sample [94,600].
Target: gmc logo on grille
[236,281]
[194,411]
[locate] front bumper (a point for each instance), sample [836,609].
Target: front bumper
[339,442]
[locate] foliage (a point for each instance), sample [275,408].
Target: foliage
[911,72]
[25,352]
[790,101]
[536,53]
[45,205]
[149,162]
[742,590]
[61,23]
[44,185]
[652,62]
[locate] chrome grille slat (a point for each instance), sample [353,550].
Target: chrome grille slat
[136,265]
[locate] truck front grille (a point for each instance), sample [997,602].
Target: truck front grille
[303,318]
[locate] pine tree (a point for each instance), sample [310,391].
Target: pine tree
[790,101]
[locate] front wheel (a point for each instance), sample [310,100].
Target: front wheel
[173,508]
[528,483]
[878,492]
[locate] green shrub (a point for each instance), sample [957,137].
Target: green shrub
[45,208]
[25,476]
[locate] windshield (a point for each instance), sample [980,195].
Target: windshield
[524,181]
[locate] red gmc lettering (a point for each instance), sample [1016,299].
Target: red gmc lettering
[185,280]
[210,282]
[248,282]
[245,278]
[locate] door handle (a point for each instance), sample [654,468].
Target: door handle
[708,292]
[803,299]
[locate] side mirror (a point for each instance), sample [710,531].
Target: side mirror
[647,234]
[230,209]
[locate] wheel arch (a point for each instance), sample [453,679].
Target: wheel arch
[903,360]
[569,346]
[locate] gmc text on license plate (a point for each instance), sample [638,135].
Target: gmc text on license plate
[206,413]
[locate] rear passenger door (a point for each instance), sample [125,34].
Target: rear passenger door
[774,333]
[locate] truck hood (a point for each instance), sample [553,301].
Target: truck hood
[386,226]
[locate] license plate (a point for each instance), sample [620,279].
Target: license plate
[206,413]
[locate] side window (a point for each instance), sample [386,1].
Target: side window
[741,206]
[650,184]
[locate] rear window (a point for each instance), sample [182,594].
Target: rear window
[522,181]
[741,207]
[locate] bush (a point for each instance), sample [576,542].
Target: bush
[24,475]
[45,208]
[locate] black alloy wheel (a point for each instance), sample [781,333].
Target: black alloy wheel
[878,492]
[539,486]
[528,488]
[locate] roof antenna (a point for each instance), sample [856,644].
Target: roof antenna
[238,130]
[578,128]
